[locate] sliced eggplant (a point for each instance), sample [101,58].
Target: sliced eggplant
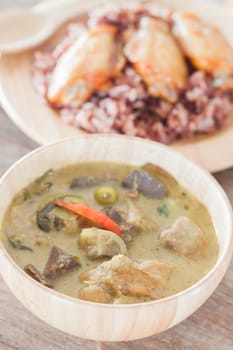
[91,181]
[86,181]
[114,214]
[32,271]
[128,230]
[144,183]
[59,263]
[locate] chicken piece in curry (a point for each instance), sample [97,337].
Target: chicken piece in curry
[110,233]
[122,276]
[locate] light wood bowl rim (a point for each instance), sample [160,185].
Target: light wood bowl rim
[201,148]
[228,247]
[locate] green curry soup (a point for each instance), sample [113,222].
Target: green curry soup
[110,233]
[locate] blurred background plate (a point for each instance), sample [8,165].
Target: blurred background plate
[25,107]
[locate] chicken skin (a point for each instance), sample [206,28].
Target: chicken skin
[157,58]
[205,46]
[94,58]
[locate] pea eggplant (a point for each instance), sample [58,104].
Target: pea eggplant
[106,195]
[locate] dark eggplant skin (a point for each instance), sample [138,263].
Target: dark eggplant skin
[129,231]
[32,271]
[85,181]
[59,263]
[91,181]
[145,184]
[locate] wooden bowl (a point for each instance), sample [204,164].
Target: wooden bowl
[115,322]
[36,119]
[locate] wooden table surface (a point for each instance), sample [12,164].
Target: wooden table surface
[210,328]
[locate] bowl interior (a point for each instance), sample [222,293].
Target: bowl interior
[164,313]
[20,100]
[126,150]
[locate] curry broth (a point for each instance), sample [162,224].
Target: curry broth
[20,220]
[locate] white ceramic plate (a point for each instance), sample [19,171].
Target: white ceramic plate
[39,122]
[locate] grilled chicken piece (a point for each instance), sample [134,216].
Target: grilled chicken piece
[205,46]
[184,237]
[122,276]
[86,66]
[157,58]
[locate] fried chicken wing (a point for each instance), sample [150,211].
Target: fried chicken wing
[86,66]
[157,58]
[205,46]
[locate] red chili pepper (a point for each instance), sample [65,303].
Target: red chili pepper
[94,215]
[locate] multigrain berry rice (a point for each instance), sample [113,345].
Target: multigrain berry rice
[127,108]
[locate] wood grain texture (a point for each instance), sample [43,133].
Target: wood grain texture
[210,328]
[129,322]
